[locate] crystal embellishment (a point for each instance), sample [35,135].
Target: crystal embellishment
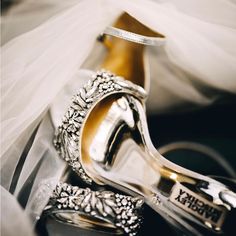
[67,136]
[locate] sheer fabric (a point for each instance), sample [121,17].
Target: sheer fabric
[42,69]
[11,208]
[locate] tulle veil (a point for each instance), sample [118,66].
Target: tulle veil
[45,65]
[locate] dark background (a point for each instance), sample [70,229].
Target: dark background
[214,126]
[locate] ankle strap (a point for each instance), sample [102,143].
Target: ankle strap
[132,37]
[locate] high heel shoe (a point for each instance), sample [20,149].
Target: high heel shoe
[105,138]
[113,147]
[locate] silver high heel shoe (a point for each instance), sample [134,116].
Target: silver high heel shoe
[104,137]
[112,146]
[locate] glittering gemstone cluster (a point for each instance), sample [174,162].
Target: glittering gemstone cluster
[122,210]
[67,137]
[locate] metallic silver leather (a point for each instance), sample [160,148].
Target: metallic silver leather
[133,37]
[134,166]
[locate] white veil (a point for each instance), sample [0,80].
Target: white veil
[41,69]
